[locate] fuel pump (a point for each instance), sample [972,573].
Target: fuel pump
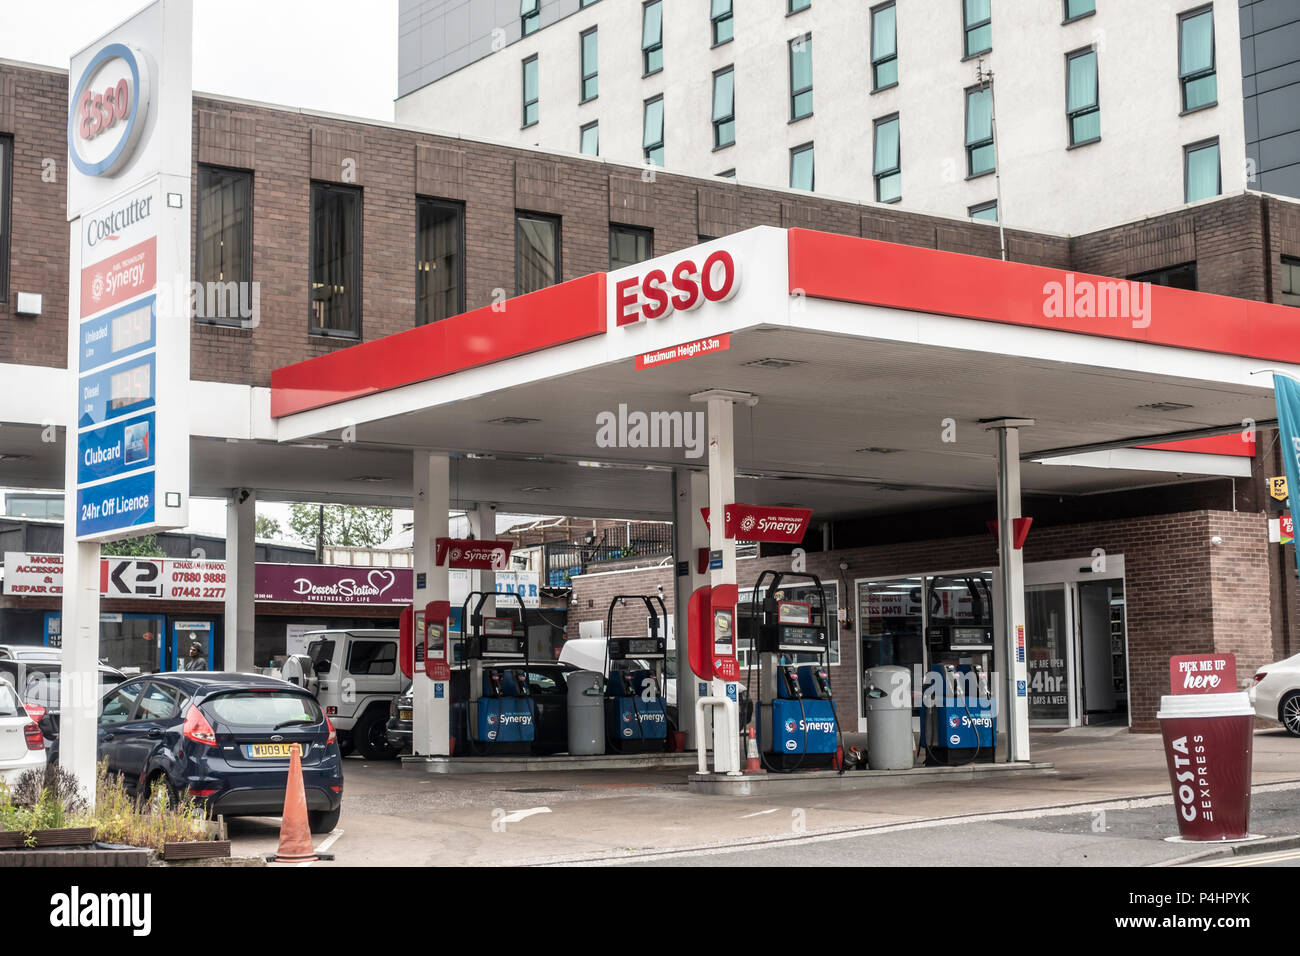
[797,724]
[958,719]
[636,711]
[501,714]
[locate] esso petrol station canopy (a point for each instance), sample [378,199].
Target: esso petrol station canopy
[874,366]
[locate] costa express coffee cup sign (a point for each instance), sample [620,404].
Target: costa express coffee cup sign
[1208,750]
[472,554]
[1203,674]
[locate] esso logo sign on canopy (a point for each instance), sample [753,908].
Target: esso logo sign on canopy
[108,110]
[685,287]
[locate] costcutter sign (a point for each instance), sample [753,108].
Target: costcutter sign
[683,288]
[755,523]
[109,110]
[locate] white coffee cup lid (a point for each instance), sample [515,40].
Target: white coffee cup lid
[1205,705]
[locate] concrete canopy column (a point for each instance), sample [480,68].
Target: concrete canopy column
[241,569]
[483,527]
[690,494]
[1015,709]
[430,499]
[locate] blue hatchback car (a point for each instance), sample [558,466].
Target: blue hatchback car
[224,739]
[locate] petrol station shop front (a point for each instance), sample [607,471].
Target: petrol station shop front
[898,393]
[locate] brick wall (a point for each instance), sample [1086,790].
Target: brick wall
[1183,594]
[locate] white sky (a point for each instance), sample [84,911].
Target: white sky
[338,56]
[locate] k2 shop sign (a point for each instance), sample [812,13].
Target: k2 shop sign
[755,523]
[168,579]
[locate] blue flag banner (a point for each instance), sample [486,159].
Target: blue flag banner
[1287,393]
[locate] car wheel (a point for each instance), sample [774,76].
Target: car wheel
[1289,713]
[345,744]
[322,821]
[371,737]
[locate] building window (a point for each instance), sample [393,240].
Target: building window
[801,83]
[977,17]
[1182,276]
[884,47]
[439,260]
[1196,59]
[887,165]
[794,6]
[530,16]
[6,199]
[590,71]
[586,3]
[335,260]
[724,108]
[1082,111]
[1201,171]
[225,231]
[1074,9]
[652,142]
[727,174]
[589,139]
[531,95]
[723,22]
[537,251]
[981,157]
[984,212]
[1290,281]
[629,245]
[652,37]
[801,167]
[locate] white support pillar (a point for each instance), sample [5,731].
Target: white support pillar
[483,526]
[430,499]
[241,568]
[690,494]
[1015,710]
[79,720]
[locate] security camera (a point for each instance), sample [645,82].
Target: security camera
[1216,540]
[661,588]
[844,565]
[492,506]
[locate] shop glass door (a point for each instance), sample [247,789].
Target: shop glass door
[891,625]
[132,641]
[1049,654]
[183,635]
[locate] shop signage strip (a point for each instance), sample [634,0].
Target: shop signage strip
[553,316]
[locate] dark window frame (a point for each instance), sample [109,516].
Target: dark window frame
[795,116]
[648,148]
[6,211]
[972,145]
[878,62]
[657,47]
[534,18]
[897,168]
[717,19]
[807,147]
[449,205]
[1290,266]
[582,132]
[968,27]
[791,9]
[583,75]
[1184,77]
[730,117]
[1154,275]
[523,90]
[316,187]
[1072,115]
[246,275]
[645,232]
[559,247]
[982,207]
[1069,17]
[1187,163]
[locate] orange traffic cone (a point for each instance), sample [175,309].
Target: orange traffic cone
[752,763]
[295,833]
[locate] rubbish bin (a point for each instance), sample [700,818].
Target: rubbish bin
[1208,740]
[586,711]
[890,745]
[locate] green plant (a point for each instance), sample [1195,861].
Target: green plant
[150,820]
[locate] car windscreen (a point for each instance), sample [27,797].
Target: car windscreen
[9,706]
[264,709]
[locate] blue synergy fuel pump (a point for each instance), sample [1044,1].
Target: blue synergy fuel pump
[501,716]
[958,721]
[797,724]
[636,711]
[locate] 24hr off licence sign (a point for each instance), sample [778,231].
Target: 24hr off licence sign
[116,365]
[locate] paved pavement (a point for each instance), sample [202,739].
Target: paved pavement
[395,816]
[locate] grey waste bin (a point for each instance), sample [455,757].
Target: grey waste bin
[889,718]
[586,708]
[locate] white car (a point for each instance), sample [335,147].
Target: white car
[1276,694]
[22,747]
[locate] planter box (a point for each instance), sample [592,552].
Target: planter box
[65,836]
[10,839]
[196,850]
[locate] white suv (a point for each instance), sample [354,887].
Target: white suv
[1276,694]
[354,675]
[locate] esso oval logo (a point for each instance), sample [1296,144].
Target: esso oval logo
[108,110]
[684,288]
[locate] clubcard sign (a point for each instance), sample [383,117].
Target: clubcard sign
[129,131]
